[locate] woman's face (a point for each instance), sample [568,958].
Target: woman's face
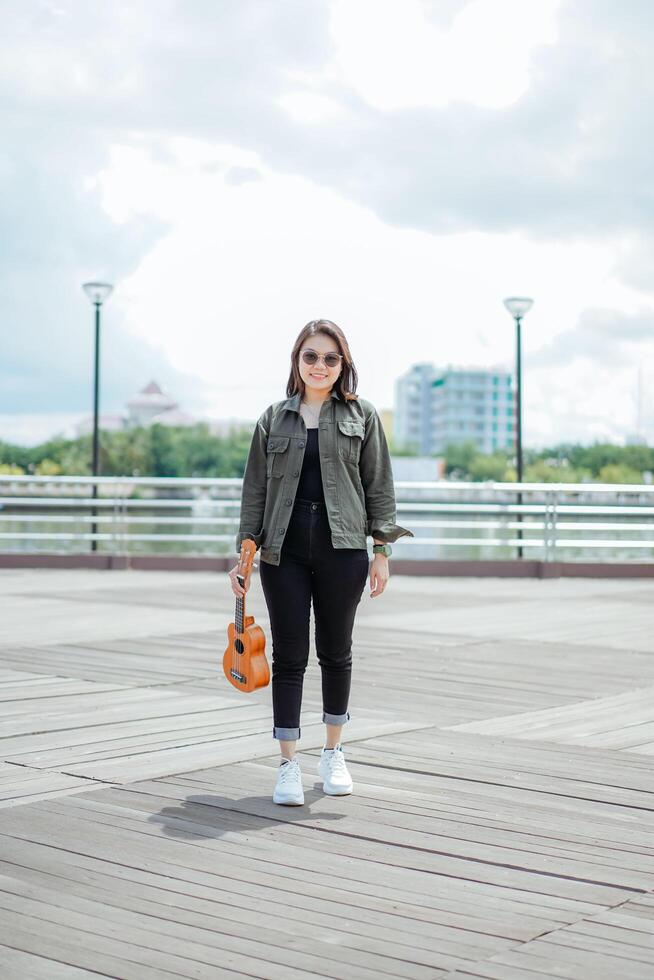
[319,376]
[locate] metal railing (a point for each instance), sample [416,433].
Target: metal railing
[143,515]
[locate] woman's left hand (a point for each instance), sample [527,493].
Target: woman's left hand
[379,575]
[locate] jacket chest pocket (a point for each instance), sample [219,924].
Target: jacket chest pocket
[349,438]
[276,456]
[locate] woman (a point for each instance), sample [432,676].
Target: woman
[317,481]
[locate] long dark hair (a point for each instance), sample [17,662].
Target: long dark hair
[346,383]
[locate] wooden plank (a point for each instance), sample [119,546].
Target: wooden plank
[509,852]
[513,778]
[31,966]
[630,707]
[54,747]
[365,915]
[390,896]
[526,872]
[269,954]
[519,835]
[412,956]
[126,768]
[20,786]
[348,869]
[66,943]
[614,943]
[131,704]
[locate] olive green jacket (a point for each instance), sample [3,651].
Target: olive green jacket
[356,475]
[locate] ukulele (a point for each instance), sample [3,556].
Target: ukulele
[244,661]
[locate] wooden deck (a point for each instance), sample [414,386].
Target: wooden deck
[501,824]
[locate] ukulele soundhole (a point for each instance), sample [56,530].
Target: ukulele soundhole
[238,646]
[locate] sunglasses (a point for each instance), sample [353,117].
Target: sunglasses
[331,360]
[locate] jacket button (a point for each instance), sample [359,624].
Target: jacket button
[300,445]
[297,473]
[289,502]
[281,530]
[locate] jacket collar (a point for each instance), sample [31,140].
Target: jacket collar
[293,403]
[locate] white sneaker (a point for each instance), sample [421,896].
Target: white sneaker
[336,778]
[288,788]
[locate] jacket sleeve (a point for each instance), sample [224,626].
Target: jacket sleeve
[377,479]
[254,489]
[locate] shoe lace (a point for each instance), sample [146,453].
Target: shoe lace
[289,772]
[337,763]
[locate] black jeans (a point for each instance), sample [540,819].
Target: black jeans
[311,568]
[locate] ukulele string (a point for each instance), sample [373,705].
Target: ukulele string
[238,618]
[236,623]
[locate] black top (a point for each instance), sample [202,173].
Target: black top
[310,483]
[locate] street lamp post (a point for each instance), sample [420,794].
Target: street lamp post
[517,307]
[97,292]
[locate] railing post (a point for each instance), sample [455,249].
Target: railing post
[555,502]
[125,523]
[549,525]
[114,523]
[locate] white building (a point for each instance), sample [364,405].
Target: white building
[153,405]
[148,406]
[418,468]
[437,407]
[110,423]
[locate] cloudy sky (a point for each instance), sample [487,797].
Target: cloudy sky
[239,167]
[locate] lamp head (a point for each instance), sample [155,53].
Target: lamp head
[97,292]
[518,305]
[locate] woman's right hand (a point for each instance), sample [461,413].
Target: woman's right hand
[237,588]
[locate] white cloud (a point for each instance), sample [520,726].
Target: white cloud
[32,428]
[311,107]
[395,57]
[583,401]
[243,267]
[398,166]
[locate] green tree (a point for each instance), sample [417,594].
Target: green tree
[47,467]
[619,473]
[491,466]
[639,458]
[193,451]
[458,456]
[128,453]
[162,449]
[549,471]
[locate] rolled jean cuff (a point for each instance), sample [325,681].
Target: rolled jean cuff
[286,734]
[335,719]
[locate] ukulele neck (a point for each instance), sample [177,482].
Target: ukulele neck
[239,612]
